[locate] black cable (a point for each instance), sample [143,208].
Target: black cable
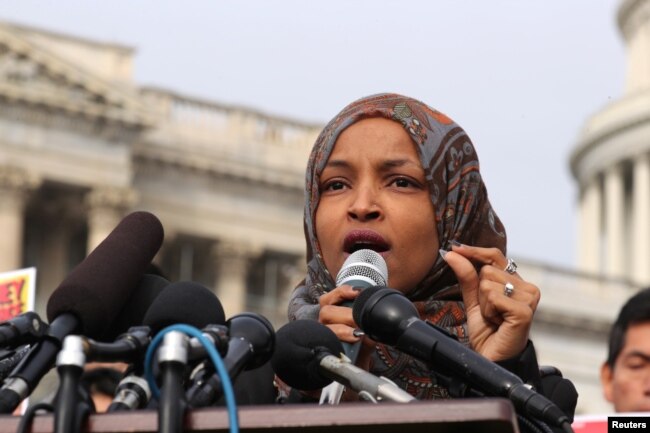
[527,425]
[459,388]
[84,409]
[24,426]
[11,359]
[172,399]
[65,416]
[567,428]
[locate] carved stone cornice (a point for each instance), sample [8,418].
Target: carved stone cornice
[33,76]
[218,168]
[18,179]
[58,120]
[234,256]
[119,199]
[16,184]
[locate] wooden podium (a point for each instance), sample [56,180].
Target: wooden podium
[482,415]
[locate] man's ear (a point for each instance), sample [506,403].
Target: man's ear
[607,379]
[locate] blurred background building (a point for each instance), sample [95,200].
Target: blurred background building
[81,145]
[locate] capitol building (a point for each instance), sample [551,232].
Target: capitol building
[82,145]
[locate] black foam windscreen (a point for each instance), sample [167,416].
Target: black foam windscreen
[184,302]
[360,303]
[148,289]
[296,359]
[97,289]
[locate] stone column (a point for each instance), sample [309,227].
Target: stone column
[106,208]
[615,256]
[296,270]
[640,239]
[232,264]
[15,185]
[54,258]
[589,242]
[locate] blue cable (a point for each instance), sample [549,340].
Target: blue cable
[214,357]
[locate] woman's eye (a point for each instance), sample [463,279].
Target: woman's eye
[334,186]
[403,183]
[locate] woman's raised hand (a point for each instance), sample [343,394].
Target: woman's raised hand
[337,317]
[498,318]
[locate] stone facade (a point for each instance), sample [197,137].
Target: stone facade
[81,145]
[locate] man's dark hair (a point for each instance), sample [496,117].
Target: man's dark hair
[636,310]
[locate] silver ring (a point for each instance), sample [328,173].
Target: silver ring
[511,267]
[508,289]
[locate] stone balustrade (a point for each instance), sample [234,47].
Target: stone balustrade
[229,133]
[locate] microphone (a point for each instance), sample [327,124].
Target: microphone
[89,298]
[97,289]
[26,328]
[184,302]
[387,316]
[172,355]
[252,341]
[149,288]
[362,269]
[181,302]
[125,341]
[305,359]
[129,346]
[192,304]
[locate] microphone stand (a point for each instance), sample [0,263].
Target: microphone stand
[70,365]
[208,389]
[172,358]
[132,393]
[332,393]
[459,388]
[24,378]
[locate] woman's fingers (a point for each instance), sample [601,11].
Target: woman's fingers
[493,268]
[507,285]
[495,302]
[467,277]
[338,295]
[500,305]
[344,333]
[337,317]
[484,256]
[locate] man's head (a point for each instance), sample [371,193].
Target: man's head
[626,373]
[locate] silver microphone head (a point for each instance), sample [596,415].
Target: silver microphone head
[364,265]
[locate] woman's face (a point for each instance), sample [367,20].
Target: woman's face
[374,196]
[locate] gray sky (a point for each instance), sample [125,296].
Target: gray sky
[520,76]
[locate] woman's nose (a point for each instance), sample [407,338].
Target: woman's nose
[364,205]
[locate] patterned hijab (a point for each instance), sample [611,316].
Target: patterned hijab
[462,210]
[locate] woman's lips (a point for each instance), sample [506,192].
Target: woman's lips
[365,239]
